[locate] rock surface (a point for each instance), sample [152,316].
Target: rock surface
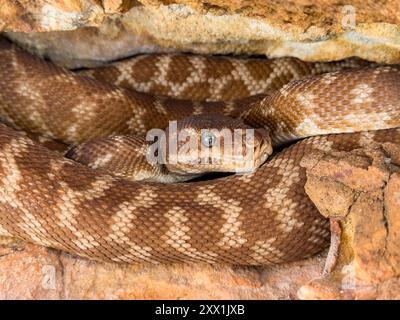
[33,272]
[360,192]
[86,47]
[311,30]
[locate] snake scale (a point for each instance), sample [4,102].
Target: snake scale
[255,219]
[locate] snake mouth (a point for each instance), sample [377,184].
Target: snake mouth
[263,147]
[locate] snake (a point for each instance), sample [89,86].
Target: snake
[260,218]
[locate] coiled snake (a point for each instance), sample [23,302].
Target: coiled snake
[260,218]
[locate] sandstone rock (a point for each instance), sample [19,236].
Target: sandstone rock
[311,30]
[42,15]
[86,47]
[360,192]
[33,272]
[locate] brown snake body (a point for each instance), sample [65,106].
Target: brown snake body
[256,219]
[217,78]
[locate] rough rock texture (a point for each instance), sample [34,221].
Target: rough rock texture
[87,47]
[308,29]
[360,192]
[33,272]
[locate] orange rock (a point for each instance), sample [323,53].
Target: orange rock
[360,190]
[33,272]
[312,30]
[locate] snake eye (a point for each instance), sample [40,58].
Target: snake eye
[208,139]
[249,140]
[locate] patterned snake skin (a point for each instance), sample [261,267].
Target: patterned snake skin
[202,78]
[254,219]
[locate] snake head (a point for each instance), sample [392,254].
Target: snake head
[262,146]
[215,143]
